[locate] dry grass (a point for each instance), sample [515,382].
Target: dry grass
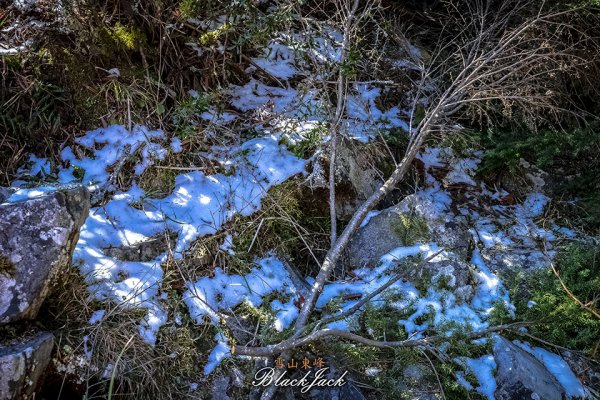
[142,371]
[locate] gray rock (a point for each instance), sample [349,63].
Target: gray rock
[354,163]
[37,237]
[521,376]
[22,365]
[514,260]
[5,193]
[383,232]
[219,388]
[348,391]
[356,175]
[144,251]
[237,377]
[317,178]
[447,230]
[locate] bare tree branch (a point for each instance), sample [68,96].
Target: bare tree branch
[289,344]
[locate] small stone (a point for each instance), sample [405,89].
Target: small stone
[219,388]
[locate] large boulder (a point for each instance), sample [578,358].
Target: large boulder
[22,365]
[521,376]
[37,238]
[348,391]
[414,220]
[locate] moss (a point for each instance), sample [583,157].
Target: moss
[410,228]
[211,38]
[127,37]
[190,8]
[263,318]
[6,266]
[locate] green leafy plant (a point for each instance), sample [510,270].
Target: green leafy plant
[186,115]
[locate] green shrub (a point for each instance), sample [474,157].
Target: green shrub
[557,317]
[310,142]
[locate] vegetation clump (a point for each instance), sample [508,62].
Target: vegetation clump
[561,304]
[410,228]
[565,153]
[6,266]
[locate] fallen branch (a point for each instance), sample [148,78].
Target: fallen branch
[290,344]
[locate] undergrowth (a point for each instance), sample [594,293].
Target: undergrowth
[570,155]
[114,342]
[292,223]
[557,317]
[100,63]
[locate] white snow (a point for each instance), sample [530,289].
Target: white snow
[368,217]
[111,145]
[216,117]
[462,171]
[490,289]
[365,119]
[210,295]
[198,206]
[218,354]
[286,314]
[278,60]
[114,73]
[227,245]
[483,369]
[96,316]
